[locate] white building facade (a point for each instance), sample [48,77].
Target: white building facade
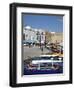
[33,34]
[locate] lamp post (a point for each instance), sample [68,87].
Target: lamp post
[40,41]
[45,40]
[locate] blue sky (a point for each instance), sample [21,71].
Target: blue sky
[52,23]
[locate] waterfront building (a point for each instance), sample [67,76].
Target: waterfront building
[33,34]
[54,37]
[41,36]
[57,37]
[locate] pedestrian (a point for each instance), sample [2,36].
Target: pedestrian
[42,48]
[29,45]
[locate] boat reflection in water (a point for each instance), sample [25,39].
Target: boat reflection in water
[44,64]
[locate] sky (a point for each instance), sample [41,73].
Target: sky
[51,23]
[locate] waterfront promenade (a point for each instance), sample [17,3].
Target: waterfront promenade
[33,51]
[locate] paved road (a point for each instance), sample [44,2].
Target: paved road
[33,51]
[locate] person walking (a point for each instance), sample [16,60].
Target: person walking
[42,49]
